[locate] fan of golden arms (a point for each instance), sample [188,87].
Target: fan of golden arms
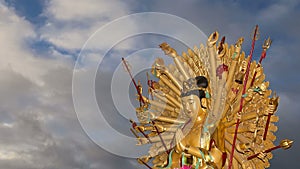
[210,108]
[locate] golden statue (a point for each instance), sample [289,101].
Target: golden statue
[211,109]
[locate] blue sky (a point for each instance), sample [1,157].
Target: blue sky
[41,39]
[31,9]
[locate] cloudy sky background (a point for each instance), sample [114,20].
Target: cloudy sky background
[40,41]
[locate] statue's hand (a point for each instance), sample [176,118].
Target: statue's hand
[145,117]
[142,141]
[178,135]
[262,156]
[217,155]
[144,158]
[252,127]
[180,147]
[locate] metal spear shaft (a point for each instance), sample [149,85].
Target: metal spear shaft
[242,99]
[137,88]
[284,144]
[263,55]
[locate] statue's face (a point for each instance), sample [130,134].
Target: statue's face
[191,105]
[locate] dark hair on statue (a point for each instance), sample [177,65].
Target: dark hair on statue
[201,82]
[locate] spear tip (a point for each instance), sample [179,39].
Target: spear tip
[267,43]
[286,144]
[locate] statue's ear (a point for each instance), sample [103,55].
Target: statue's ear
[203,103]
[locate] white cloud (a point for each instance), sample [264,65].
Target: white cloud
[70,23]
[38,125]
[16,55]
[69,10]
[277,11]
[8,155]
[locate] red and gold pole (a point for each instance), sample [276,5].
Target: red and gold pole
[242,99]
[284,144]
[263,55]
[136,86]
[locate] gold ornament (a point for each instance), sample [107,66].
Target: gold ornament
[206,113]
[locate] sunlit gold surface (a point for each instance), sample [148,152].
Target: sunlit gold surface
[183,127]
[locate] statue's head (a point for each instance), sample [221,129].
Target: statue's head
[193,96]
